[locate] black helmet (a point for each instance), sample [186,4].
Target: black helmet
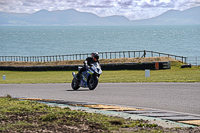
[95,55]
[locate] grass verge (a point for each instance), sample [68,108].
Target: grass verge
[31,116]
[175,74]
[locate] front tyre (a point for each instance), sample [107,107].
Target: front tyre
[75,84]
[93,82]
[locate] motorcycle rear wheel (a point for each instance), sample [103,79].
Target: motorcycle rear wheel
[93,82]
[75,84]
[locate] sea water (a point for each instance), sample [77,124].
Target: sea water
[63,40]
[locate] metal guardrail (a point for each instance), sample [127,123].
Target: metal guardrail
[193,60]
[103,55]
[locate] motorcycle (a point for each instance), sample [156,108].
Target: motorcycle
[89,78]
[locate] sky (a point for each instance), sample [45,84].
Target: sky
[132,9]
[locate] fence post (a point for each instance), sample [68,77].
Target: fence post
[182,59]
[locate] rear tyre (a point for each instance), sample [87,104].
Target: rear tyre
[93,82]
[75,84]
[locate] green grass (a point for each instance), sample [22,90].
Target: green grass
[175,74]
[172,75]
[26,116]
[20,77]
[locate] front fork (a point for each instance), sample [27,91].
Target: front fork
[73,74]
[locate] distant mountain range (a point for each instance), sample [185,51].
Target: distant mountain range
[72,17]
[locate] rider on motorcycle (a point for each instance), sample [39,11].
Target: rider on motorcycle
[88,62]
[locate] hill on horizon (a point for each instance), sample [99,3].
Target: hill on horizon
[72,17]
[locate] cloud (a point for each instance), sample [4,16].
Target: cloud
[132,9]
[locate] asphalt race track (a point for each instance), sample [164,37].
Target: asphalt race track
[180,97]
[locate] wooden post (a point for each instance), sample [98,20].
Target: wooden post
[182,59]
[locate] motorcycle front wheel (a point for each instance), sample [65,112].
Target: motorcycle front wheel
[93,82]
[75,84]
